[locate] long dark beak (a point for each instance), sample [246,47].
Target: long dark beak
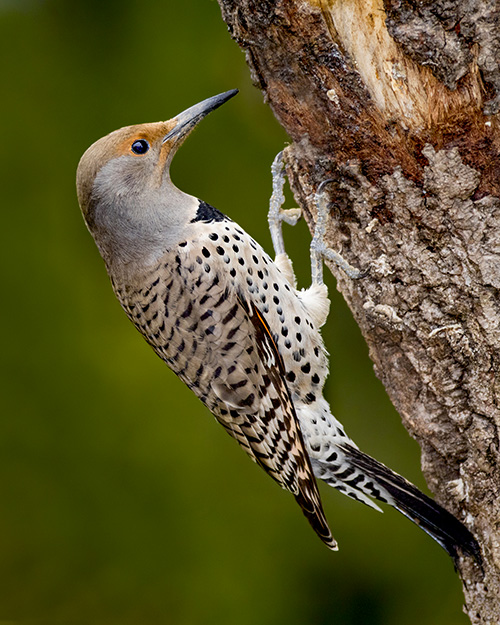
[188,119]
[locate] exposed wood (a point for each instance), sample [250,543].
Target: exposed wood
[396,101]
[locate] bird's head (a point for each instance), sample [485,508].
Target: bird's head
[124,189]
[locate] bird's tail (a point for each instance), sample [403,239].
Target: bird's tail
[394,489]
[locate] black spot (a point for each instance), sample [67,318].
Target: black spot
[236,248]
[299,337]
[208,313]
[279,310]
[306,368]
[297,320]
[316,351]
[232,273]
[206,267]
[284,331]
[198,260]
[348,471]
[290,376]
[231,314]
[310,397]
[239,384]
[188,310]
[215,282]
[315,379]
[276,299]
[208,213]
[260,274]
[213,236]
[205,252]
[222,298]
[241,261]
[288,344]
[220,250]
[255,259]
[276,286]
[355,481]
[248,401]
[183,244]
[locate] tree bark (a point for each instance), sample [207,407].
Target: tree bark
[396,101]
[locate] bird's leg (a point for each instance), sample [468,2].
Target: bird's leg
[277,214]
[319,250]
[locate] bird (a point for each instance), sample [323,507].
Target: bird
[230,322]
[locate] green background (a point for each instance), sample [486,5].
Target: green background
[121,500]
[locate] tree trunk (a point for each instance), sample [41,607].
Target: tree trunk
[396,101]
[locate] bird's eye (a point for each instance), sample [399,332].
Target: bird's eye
[141,146]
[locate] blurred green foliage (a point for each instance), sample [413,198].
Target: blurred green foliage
[122,501]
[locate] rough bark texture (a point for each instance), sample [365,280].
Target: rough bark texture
[395,100]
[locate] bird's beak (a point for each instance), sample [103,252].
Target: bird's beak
[188,119]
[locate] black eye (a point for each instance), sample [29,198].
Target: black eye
[141,146]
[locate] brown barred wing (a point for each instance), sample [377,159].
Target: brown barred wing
[274,422]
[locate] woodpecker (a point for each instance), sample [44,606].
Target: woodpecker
[231,323]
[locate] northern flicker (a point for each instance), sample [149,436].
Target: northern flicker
[230,322]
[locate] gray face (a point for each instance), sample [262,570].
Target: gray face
[129,203]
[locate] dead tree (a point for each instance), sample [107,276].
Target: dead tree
[396,101]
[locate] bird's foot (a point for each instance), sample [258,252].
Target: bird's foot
[276,214]
[319,250]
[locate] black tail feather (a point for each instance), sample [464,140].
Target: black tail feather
[441,525]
